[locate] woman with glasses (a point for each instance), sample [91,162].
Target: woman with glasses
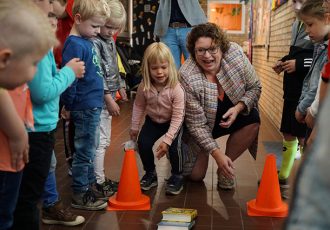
[222,91]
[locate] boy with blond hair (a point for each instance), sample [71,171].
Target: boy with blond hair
[84,100]
[22,44]
[106,49]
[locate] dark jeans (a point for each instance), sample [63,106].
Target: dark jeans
[149,134]
[9,188]
[33,181]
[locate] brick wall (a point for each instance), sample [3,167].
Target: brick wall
[271,101]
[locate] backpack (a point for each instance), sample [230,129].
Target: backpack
[132,64]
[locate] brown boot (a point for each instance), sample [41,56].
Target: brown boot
[56,214]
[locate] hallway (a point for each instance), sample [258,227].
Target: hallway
[216,209]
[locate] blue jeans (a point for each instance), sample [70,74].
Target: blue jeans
[86,141]
[50,195]
[9,188]
[175,39]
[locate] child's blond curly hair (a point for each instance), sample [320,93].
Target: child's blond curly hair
[91,8]
[118,14]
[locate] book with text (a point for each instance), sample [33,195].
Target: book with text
[175,225]
[179,214]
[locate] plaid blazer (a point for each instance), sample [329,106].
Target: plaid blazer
[239,81]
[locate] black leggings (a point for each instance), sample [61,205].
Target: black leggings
[35,173]
[149,134]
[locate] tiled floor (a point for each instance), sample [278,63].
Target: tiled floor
[216,209]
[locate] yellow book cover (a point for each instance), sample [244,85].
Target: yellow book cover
[179,214]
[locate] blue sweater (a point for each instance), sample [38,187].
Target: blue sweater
[46,88]
[87,92]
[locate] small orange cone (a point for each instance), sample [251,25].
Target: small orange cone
[268,201]
[118,97]
[129,196]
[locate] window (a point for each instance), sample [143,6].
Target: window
[229,15]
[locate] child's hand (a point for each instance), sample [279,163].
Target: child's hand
[65,114]
[289,66]
[161,150]
[309,119]
[77,66]
[19,148]
[278,67]
[122,93]
[311,137]
[133,134]
[299,117]
[112,107]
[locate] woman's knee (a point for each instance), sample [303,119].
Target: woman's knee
[197,176]
[254,127]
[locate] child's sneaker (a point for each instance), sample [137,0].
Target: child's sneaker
[174,185]
[56,214]
[225,184]
[105,189]
[88,201]
[284,183]
[99,193]
[113,184]
[284,188]
[148,181]
[70,171]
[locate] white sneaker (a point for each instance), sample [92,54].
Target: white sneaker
[298,154]
[70,171]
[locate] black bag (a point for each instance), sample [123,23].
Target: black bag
[132,65]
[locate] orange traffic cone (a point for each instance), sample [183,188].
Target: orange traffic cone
[129,196]
[118,97]
[268,201]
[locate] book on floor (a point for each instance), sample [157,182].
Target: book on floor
[179,214]
[175,225]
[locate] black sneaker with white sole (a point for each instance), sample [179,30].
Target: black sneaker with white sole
[148,181]
[88,201]
[174,185]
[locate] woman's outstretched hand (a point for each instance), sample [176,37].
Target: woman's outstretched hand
[224,163]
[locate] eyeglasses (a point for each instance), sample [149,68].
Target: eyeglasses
[211,50]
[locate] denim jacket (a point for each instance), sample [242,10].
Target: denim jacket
[191,10]
[312,78]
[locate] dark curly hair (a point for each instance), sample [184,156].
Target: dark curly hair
[209,30]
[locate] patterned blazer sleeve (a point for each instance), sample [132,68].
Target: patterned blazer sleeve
[252,87]
[196,120]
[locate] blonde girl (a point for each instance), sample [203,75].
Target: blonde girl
[161,97]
